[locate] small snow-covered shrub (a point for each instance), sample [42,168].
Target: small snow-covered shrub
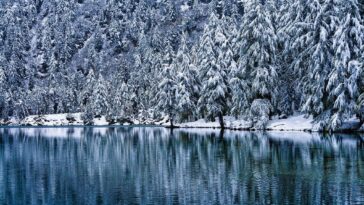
[260,111]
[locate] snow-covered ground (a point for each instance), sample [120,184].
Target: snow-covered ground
[293,123]
[52,120]
[297,122]
[230,122]
[62,120]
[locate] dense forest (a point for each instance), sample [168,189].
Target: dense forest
[185,59]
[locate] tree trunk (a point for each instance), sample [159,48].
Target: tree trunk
[221,121]
[172,125]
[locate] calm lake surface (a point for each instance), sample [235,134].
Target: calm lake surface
[141,165]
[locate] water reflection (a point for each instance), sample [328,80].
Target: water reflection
[136,165]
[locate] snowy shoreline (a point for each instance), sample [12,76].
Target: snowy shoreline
[292,123]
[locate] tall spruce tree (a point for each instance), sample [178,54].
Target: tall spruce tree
[166,95]
[312,45]
[344,79]
[258,60]
[3,95]
[214,92]
[188,85]
[100,97]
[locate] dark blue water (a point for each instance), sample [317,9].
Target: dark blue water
[155,166]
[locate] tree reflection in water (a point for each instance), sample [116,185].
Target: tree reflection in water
[141,165]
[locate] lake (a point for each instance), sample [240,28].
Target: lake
[151,165]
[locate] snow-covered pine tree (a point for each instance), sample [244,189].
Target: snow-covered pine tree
[115,100]
[214,92]
[360,108]
[87,98]
[53,97]
[344,79]
[224,51]
[213,100]
[36,102]
[15,44]
[206,55]
[239,97]
[75,89]
[361,8]
[3,94]
[68,103]
[87,91]
[223,48]
[126,101]
[166,96]
[312,54]
[258,60]
[169,11]
[232,34]
[187,82]
[290,12]
[141,76]
[121,104]
[100,97]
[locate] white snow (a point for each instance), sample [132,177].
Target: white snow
[293,123]
[199,124]
[52,120]
[297,122]
[61,120]
[100,121]
[230,122]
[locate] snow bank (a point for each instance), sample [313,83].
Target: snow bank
[53,120]
[199,124]
[230,122]
[297,122]
[293,123]
[76,120]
